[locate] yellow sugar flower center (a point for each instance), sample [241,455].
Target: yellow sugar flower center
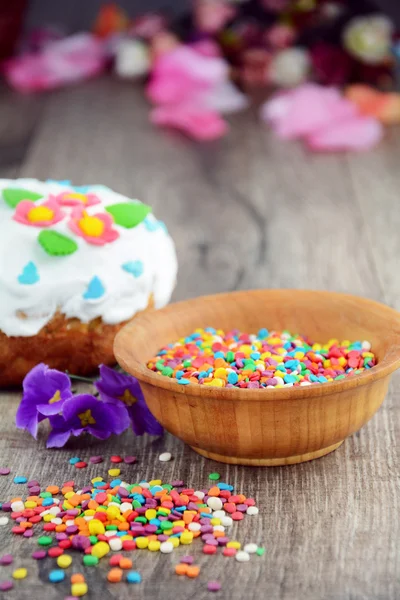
[40,213]
[127,398]
[55,398]
[92,226]
[77,196]
[86,418]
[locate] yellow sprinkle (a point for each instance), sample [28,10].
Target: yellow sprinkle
[150,514]
[113,511]
[96,527]
[186,537]
[174,541]
[215,521]
[155,482]
[123,538]
[142,542]
[95,479]
[100,549]
[233,544]
[69,495]
[79,589]
[89,513]
[64,561]
[154,545]
[20,573]
[47,518]
[114,472]
[30,504]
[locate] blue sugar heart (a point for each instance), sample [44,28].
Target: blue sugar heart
[134,267]
[95,290]
[29,274]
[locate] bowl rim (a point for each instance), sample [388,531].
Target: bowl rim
[382,369]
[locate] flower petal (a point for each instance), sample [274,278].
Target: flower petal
[27,417]
[57,438]
[143,421]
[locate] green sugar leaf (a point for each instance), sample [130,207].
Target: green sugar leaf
[13,196]
[56,244]
[128,214]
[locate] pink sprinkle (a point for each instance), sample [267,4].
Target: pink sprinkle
[5,471]
[130,460]
[95,460]
[6,559]
[39,554]
[6,585]
[213,586]
[187,560]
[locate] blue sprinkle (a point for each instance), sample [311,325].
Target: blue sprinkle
[281,367]
[73,461]
[151,223]
[115,482]
[176,534]
[210,330]
[313,377]
[289,379]
[181,508]
[56,576]
[20,480]
[156,488]
[65,182]
[183,381]
[233,378]
[179,374]
[29,274]
[322,379]
[139,498]
[47,501]
[203,374]
[263,333]
[134,267]
[219,355]
[82,189]
[133,577]
[155,522]
[206,515]
[255,355]
[95,290]
[98,484]
[225,486]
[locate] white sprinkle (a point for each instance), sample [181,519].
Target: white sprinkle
[366,346]
[88,517]
[226,521]
[54,510]
[125,506]
[305,383]
[242,556]
[165,457]
[194,527]
[144,484]
[252,510]
[69,522]
[4,520]
[115,504]
[250,548]
[219,528]
[214,503]
[115,543]
[279,380]
[218,514]
[200,495]
[17,506]
[109,533]
[166,547]
[56,521]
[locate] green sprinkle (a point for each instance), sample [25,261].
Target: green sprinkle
[187,363]
[45,540]
[214,476]
[90,561]
[230,357]
[260,551]
[93,539]
[166,525]
[167,371]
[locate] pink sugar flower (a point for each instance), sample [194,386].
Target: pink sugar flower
[71,198]
[95,229]
[38,215]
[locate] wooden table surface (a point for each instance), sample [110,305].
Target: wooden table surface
[245,212]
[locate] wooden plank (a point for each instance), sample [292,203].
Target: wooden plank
[19,117]
[245,212]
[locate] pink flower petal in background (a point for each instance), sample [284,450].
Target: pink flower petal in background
[62,62]
[198,123]
[356,133]
[306,109]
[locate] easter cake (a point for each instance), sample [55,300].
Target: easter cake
[76,263]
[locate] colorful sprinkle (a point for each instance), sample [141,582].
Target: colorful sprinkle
[264,360]
[165,457]
[56,576]
[95,460]
[20,573]
[20,479]
[5,471]
[133,577]
[6,559]
[213,586]
[95,290]
[130,460]
[6,585]
[134,267]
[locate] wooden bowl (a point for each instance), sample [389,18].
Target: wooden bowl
[259,426]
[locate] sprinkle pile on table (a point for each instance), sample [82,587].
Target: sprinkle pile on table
[107,518]
[268,359]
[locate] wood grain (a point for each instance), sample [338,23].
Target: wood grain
[245,212]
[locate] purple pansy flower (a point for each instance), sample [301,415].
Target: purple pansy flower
[45,391]
[120,389]
[85,413]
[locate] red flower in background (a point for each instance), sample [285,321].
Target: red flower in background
[332,65]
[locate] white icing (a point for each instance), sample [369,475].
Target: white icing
[64,280]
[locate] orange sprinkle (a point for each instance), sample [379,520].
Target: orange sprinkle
[53,489]
[193,571]
[125,563]
[77,578]
[181,569]
[115,575]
